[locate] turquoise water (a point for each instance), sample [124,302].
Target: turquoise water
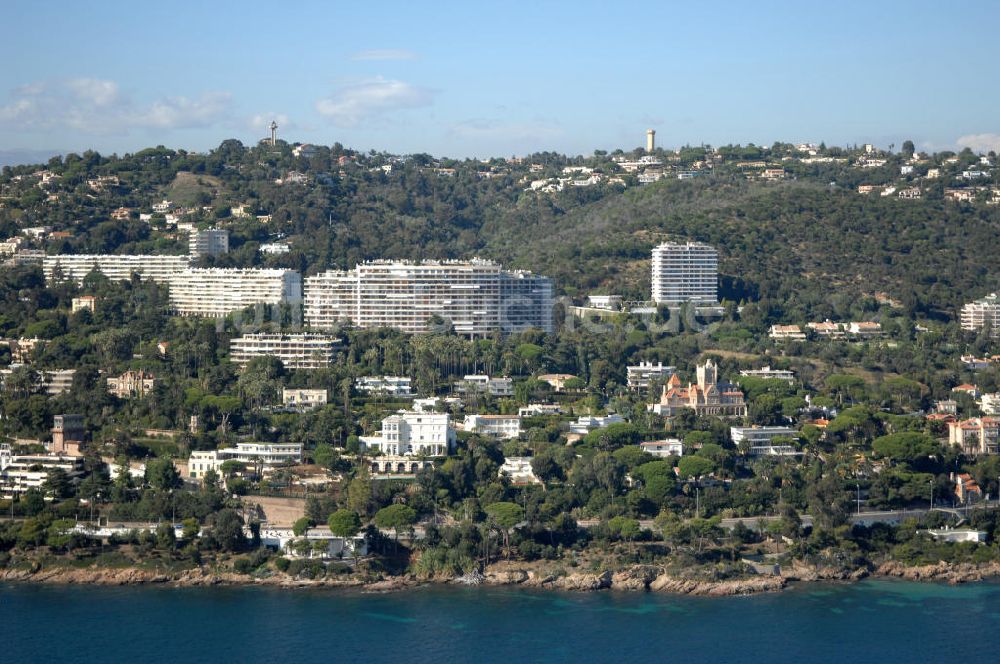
[875,621]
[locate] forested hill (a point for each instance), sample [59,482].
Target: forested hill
[798,246]
[801,245]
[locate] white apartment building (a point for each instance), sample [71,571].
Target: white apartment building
[759,441]
[585,423]
[536,409]
[497,387]
[53,383]
[216,292]
[641,376]
[769,373]
[21,472]
[267,455]
[395,386]
[982,313]
[274,248]
[990,404]
[74,267]
[519,470]
[296,351]
[685,273]
[473,297]
[209,242]
[409,433]
[501,426]
[303,399]
[663,448]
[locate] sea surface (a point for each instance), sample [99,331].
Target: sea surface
[873,621]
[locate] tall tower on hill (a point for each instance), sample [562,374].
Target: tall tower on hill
[650,140]
[274,133]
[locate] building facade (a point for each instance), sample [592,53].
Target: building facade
[685,273]
[266,455]
[296,351]
[393,386]
[500,426]
[131,384]
[303,399]
[216,292]
[209,242]
[20,473]
[74,267]
[644,374]
[409,433]
[474,298]
[975,436]
[706,397]
[982,313]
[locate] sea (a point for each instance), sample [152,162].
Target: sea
[881,621]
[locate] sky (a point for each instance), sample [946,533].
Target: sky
[469,79]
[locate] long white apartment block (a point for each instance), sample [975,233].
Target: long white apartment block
[116,267]
[685,273]
[475,297]
[296,351]
[982,313]
[216,292]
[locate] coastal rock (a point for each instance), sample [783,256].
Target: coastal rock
[583,581]
[506,577]
[747,586]
[473,578]
[941,571]
[634,578]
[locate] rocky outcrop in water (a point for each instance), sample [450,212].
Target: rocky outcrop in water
[942,571]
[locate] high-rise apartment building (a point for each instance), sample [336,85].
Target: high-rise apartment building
[209,242]
[685,273]
[474,298]
[215,292]
[982,313]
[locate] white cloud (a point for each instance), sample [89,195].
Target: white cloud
[262,122]
[980,142]
[384,54]
[98,106]
[363,100]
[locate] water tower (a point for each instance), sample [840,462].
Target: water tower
[650,140]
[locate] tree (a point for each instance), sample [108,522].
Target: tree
[506,516]
[344,523]
[395,517]
[829,503]
[694,466]
[359,493]
[227,529]
[300,526]
[162,474]
[624,528]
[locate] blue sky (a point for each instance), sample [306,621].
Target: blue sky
[497,79]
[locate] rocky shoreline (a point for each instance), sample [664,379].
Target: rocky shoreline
[639,578]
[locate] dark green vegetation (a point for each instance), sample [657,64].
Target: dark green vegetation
[791,252]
